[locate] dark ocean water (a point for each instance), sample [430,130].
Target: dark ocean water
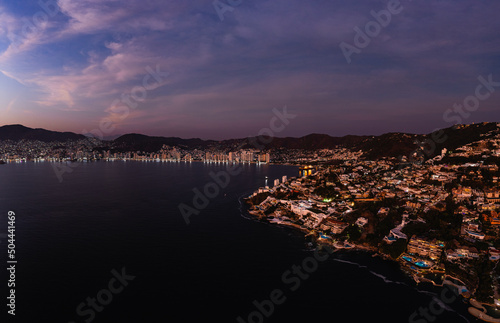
[124,216]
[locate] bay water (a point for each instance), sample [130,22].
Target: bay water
[108,243]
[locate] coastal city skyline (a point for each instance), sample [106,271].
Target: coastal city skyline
[430,203]
[213,70]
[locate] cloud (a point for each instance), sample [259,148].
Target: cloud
[10,105]
[111,66]
[264,54]
[92,16]
[22,34]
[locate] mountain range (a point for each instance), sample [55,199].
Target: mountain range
[386,145]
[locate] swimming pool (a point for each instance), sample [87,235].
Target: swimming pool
[422,264]
[407,258]
[323,236]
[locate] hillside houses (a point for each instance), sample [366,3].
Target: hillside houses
[425,248]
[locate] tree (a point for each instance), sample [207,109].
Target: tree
[416,228]
[352,232]
[395,249]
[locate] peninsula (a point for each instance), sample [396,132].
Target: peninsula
[438,218]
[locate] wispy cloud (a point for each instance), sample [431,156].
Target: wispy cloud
[10,105]
[264,54]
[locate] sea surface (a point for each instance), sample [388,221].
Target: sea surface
[112,219]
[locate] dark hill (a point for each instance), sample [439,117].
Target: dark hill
[374,147]
[461,135]
[19,132]
[138,142]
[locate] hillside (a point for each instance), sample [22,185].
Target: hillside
[135,142]
[19,132]
[374,147]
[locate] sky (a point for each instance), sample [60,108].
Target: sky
[221,69]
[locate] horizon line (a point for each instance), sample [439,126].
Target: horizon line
[310,134]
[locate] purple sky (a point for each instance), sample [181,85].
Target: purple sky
[66,66]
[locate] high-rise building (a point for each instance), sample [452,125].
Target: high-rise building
[264,158]
[247,156]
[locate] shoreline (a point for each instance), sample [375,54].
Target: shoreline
[374,252]
[49,160]
[480,312]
